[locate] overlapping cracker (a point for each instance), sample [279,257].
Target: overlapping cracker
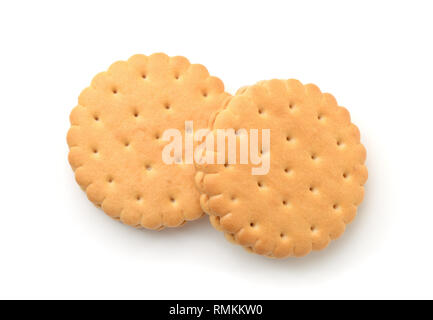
[115,138]
[316,177]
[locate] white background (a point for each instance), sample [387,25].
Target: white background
[375,57]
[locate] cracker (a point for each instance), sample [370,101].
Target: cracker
[115,138]
[316,177]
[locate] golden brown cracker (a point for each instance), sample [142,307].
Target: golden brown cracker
[115,138]
[316,176]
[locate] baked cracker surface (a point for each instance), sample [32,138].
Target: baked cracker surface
[115,138]
[316,177]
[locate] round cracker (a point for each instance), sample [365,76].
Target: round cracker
[116,143]
[316,176]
